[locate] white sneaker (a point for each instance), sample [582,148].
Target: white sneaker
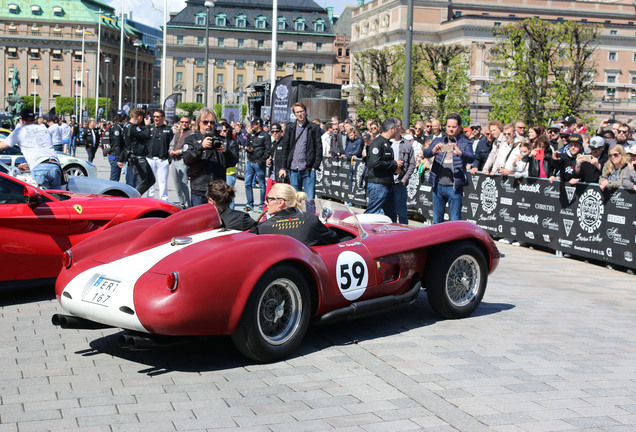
[505,240]
[515,243]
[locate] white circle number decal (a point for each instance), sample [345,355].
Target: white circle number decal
[352,275]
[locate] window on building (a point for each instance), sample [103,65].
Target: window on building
[339,52]
[280,65]
[281,23]
[200,19]
[200,61]
[179,60]
[241,20]
[634,57]
[220,42]
[199,77]
[200,40]
[57,75]
[633,79]
[613,32]
[239,79]
[240,64]
[179,40]
[611,79]
[219,99]
[299,46]
[497,24]
[610,92]
[12,53]
[260,44]
[220,63]
[300,67]
[319,79]
[280,45]
[220,20]
[36,10]
[219,78]
[299,24]
[34,53]
[179,76]
[199,98]
[318,46]
[56,54]
[343,68]
[319,25]
[318,68]
[78,55]
[14,9]
[260,22]
[260,64]
[241,43]
[58,11]
[347,52]
[259,78]
[612,56]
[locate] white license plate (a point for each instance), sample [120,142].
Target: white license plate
[101,291]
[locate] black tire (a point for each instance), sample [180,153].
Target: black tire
[276,316]
[456,280]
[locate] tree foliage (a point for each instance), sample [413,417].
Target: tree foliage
[90,105]
[440,81]
[541,70]
[190,107]
[64,105]
[27,102]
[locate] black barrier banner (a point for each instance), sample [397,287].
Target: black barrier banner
[281,98]
[577,219]
[170,108]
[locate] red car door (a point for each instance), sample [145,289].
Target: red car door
[32,236]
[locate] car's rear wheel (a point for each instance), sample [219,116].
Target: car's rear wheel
[75,170]
[456,280]
[276,316]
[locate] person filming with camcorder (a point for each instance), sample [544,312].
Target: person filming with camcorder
[206,155]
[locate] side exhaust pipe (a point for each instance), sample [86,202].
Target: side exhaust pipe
[73,322]
[137,342]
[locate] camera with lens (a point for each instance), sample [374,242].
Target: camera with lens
[214,132]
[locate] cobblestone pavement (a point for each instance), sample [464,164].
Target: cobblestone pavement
[551,348]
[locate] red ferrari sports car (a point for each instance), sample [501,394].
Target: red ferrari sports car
[37,226]
[185,276]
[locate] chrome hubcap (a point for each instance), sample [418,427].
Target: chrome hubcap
[279,311]
[463,280]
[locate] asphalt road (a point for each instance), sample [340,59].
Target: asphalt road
[551,348]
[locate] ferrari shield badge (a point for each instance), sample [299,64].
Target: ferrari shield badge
[78,208]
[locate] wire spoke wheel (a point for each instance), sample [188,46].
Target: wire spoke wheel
[462,280]
[279,311]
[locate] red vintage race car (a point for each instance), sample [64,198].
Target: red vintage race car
[37,226]
[185,276]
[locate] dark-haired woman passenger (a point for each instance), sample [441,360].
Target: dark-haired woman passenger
[220,195]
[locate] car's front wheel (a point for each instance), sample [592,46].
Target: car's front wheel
[456,280]
[276,316]
[75,170]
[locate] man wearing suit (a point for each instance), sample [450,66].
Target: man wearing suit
[302,152]
[91,139]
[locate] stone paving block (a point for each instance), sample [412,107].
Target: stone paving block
[592,422]
[504,419]
[31,416]
[361,420]
[260,420]
[98,420]
[53,424]
[197,424]
[280,407]
[308,426]
[392,426]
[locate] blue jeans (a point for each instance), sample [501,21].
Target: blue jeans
[197,199]
[47,175]
[377,196]
[253,169]
[72,147]
[131,179]
[447,194]
[398,207]
[115,171]
[304,180]
[230,179]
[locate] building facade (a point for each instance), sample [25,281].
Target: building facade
[43,41]
[471,23]
[240,45]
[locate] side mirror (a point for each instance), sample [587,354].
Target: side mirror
[33,197]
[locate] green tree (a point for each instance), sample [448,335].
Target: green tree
[64,105]
[90,102]
[28,101]
[542,70]
[190,107]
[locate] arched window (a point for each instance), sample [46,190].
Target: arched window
[282,23]
[199,19]
[240,20]
[221,20]
[319,25]
[260,22]
[299,24]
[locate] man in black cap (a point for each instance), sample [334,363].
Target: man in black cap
[481,146]
[565,161]
[568,122]
[257,148]
[37,146]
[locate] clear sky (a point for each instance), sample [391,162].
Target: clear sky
[151,11]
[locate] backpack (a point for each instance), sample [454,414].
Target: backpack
[105,140]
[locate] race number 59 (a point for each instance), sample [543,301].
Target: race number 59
[352,275]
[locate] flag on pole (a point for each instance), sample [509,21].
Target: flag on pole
[281,98]
[170,108]
[108,18]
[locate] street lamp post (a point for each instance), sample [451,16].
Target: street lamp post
[88,81]
[208,4]
[107,61]
[132,88]
[137,44]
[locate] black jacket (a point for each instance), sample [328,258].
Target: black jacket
[565,165]
[204,165]
[165,135]
[87,138]
[136,139]
[381,162]
[534,169]
[313,154]
[260,143]
[304,227]
[481,152]
[237,220]
[115,135]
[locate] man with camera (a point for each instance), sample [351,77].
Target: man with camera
[136,139]
[205,155]
[448,173]
[258,149]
